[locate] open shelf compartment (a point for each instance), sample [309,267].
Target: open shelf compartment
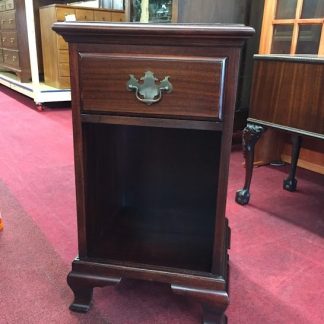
[153,194]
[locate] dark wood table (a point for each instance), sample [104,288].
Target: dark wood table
[288,95]
[153,113]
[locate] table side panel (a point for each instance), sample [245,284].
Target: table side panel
[289,94]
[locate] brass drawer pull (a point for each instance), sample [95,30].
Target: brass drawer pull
[149,92]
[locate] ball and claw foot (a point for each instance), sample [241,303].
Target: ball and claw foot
[290,185]
[242,196]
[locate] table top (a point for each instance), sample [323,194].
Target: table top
[310,58]
[226,31]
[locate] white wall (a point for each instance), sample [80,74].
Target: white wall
[91,4]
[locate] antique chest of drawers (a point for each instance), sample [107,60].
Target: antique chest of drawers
[14,52]
[153,110]
[14,47]
[55,49]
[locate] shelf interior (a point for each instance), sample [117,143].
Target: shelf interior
[151,194]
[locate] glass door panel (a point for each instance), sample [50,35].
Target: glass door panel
[155,11]
[313,9]
[281,41]
[112,4]
[293,27]
[286,9]
[308,39]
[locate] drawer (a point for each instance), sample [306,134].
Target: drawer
[63,56]
[117,16]
[64,69]
[9,40]
[197,85]
[8,20]
[61,43]
[2,5]
[64,82]
[10,4]
[100,15]
[11,58]
[61,13]
[84,15]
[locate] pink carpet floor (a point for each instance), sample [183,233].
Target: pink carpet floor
[276,259]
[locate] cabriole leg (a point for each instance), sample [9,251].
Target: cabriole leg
[290,184]
[251,134]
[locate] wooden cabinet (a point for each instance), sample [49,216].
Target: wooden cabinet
[55,49]
[14,52]
[14,38]
[153,113]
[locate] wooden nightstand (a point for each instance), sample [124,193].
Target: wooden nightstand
[153,113]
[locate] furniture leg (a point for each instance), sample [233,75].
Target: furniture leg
[214,302]
[251,134]
[213,317]
[290,183]
[82,294]
[82,285]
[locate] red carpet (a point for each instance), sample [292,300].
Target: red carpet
[276,260]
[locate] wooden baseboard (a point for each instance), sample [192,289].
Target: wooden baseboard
[305,164]
[311,155]
[276,146]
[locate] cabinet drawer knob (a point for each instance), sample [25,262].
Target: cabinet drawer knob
[149,91]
